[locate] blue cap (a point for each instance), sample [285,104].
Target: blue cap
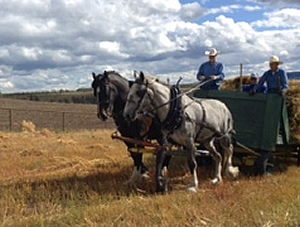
[253,76]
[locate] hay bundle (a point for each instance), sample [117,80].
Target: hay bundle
[293,105]
[293,102]
[28,126]
[234,84]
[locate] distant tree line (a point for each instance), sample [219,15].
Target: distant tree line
[82,95]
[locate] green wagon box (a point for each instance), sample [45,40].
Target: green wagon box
[261,121]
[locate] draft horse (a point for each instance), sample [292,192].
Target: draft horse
[200,120]
[111,90]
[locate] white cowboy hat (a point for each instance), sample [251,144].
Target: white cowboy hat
[212,52]
[275,59]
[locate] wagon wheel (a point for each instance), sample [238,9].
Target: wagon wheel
[265,164]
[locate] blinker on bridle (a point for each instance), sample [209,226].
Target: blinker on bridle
[104,94]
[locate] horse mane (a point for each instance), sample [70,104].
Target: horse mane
[113,72]
[152,79]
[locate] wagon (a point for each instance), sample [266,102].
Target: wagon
[263,140]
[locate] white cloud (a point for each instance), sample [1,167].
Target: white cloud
[192,11]
[111,48]
[6,85]
[232,9]
[32,53]
[224,9]
[279,3]
[287,18]
[49,45]
[252,8]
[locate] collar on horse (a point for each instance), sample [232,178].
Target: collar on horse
[175,114]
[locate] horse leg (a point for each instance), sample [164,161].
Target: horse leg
[140,170]
[218,161]
[167,158]
[165,165]
[228,152]
[161,185]
[192,165]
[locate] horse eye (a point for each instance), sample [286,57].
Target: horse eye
[140,93]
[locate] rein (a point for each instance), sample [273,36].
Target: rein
[193,88]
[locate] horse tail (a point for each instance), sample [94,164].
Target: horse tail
[232,134]
[231,130]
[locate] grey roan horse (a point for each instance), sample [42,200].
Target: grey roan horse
[111,90]
[203,121]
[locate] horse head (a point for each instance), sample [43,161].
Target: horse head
[106,93]
[139,99]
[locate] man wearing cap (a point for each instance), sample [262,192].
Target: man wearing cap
[253,82]
[276,78]
[211,71]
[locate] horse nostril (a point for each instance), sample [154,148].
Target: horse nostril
[129,117]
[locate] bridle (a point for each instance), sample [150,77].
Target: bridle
[141,94]
[103,96]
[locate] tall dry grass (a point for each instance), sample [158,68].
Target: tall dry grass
[77,179]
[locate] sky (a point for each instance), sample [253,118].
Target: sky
[50,45]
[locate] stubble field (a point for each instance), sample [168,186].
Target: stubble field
[78,179]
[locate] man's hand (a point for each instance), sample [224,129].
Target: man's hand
[252,92]
[214,77]
[203,78]
[282,93]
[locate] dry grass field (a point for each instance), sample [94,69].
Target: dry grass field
[49,178]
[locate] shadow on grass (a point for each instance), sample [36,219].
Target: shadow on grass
[79,187]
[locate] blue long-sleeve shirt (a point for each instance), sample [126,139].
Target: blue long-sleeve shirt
[250,87]
[207,70]
[276,82]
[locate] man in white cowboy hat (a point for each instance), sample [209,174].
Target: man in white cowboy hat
[212,71]
[276,78]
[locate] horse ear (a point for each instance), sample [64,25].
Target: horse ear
[130,83]
[105,74]
[142,76]
[94,75]
[135,74]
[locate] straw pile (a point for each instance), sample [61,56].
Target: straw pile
[293,102]
[234,84]
[293,105]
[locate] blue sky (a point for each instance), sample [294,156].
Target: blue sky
[53,45]
[237,15]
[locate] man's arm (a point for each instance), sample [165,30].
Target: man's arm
[284,81]
[200,73]
[261,82]
[220,73]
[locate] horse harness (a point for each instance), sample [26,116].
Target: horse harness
[175,114]
[104,95]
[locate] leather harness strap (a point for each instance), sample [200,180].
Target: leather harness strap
[175,114]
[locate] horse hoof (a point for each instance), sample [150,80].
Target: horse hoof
[162,190]
[234,172]
[216,181]
[145,176]
[192,189]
